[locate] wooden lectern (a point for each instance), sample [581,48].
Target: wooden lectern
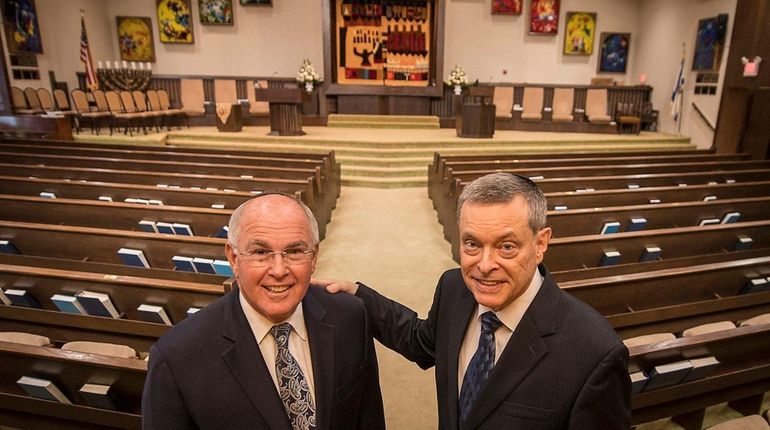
[285,116]
[476,115]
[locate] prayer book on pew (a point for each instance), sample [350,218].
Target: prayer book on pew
[184,264]
[222,267]
[182,229]
[709,221]
[731,218]
[666,375]
[68,304]
[609,258]
[654,201]
[97,304]
[3,298]
[709,198]
[155,202]
[99,396]
[633,186]
[743,243]
[148,226]
[255,192]
[42,389]
[21,298]
[701,367]
[165,227]
[217,206]
[536,178]
[682,184]
[560,208]
[47,195]
[637,224]
[133,257]
[610,227]
[650,253]
[191,311]
[638,380]
[204,265]
[104,198]
[154,314]
[222,233]
[6,247]
[758,285]
[729,181]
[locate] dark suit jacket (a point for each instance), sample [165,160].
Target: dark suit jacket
[208,373]
[564,366]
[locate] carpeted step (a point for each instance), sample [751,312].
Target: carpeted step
[383,172]
[384,121]
[418,181]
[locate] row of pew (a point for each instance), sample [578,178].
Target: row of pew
[663,244]
[68,208]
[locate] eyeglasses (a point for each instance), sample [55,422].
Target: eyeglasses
[263,257]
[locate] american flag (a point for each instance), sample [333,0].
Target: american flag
[85,56]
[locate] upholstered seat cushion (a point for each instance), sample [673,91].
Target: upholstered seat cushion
[503,101]
[648,339]
[532,103]
[563,99]
[751,422]
[100,348]
[25,338]
[708,328]
[757,320]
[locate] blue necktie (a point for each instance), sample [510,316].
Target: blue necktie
[481,364]
[292,385]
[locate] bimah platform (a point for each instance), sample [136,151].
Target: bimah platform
[229,117]
[475,116]
[285,115]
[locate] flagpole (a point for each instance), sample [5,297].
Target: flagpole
[681,95]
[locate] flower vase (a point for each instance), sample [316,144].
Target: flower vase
[309,87]
[458,90]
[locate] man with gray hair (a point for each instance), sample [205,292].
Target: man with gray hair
[511,349]
[272,353]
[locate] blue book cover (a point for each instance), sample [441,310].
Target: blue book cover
[758,285]
[665,375]
[182,229]
[6,247]
[42,389]
[610,227]
[609,258]
[222,233]
[222,267]
[191,311]
[68,304]
[21,298]
[97,304]
[148,226]
[637,224]
[184,264]
[154,314]
[731,218]
[165,227]
[650,253]
[204,265]
[743,243]
[133,257]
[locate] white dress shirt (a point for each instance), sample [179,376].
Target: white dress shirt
[299,346]
[510,316]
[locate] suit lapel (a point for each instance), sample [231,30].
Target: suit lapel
[321,338]
[524,351]
[461,314]
[249,368]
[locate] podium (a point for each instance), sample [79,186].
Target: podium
[285,115]
[475,116]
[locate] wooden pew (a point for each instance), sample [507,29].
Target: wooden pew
[672,300]
[586,251]
[69,370]
[121,216]
[742,377]
[101,245]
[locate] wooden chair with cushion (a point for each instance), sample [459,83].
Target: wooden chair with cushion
[165,105]
[750,422]
[24,338]
[649,117]
[33,101]
[19,102]
[255,107]
[596,106]
[118,112]
[149,115]
[100,348]
[563,100]
[503,101]
[80,101]
[192,96]
[532,104]
[45,99]
[628,118]
[153,103]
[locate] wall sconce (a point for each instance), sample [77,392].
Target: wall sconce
[751,67]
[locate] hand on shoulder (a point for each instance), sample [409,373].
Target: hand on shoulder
[334,286]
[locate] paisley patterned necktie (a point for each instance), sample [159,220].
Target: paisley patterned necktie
[481,364]
[292,385]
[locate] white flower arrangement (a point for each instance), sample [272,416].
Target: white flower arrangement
[307,73]
[457,77]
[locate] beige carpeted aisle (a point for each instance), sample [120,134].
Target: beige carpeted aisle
[391,240]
